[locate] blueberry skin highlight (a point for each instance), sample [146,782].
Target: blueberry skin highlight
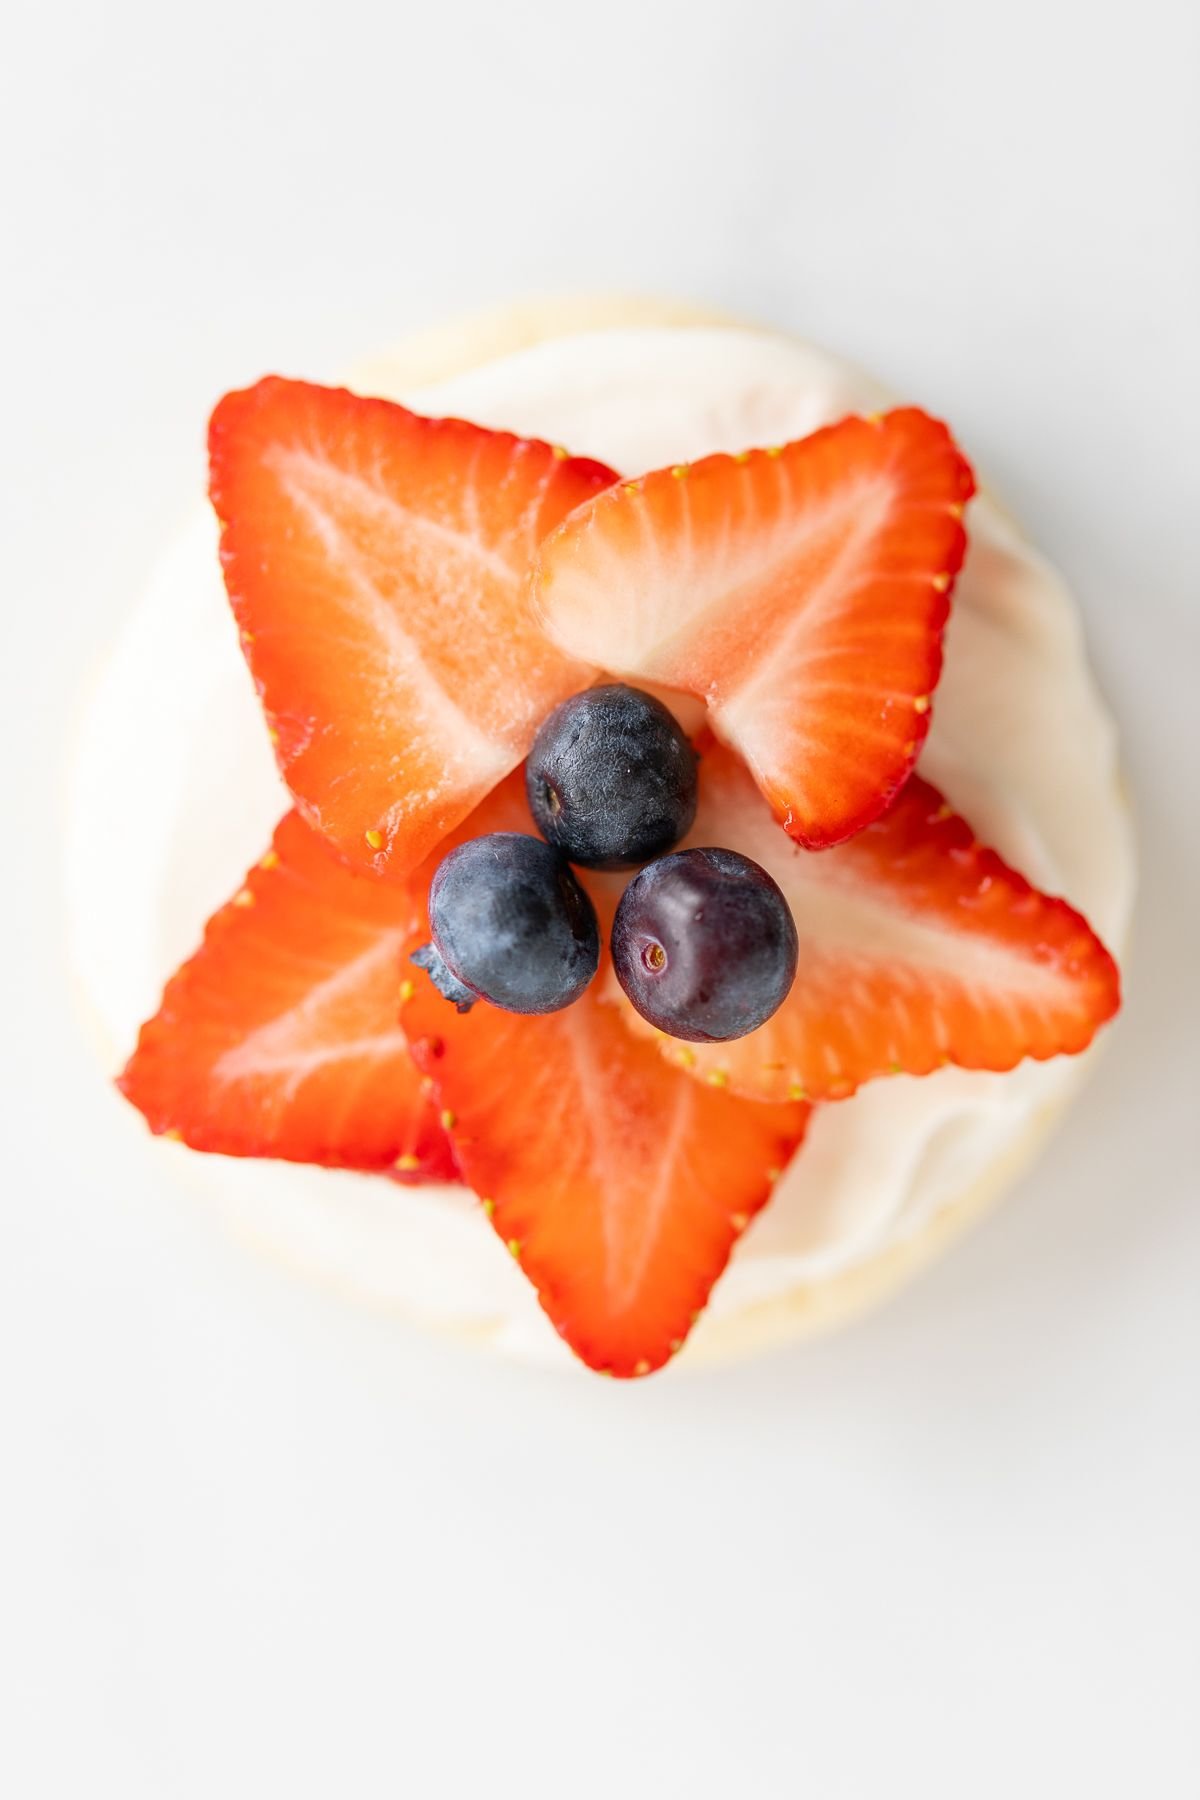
[705,946]
[510,924]
[611,778]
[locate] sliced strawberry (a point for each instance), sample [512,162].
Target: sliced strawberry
[801,593]
[619,1185]
[377,564]
[918,947]
[279,1038]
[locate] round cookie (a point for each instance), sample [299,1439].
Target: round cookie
[428,1252]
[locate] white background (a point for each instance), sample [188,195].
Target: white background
[254,1544]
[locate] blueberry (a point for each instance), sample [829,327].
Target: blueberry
[510,924]
[704,945]
[611,778]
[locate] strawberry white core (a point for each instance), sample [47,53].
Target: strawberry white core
[299,1040]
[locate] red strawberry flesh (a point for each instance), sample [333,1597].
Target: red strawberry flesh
[377,566]
[801,593]
[280,1037]
[619,1185]
[918,947]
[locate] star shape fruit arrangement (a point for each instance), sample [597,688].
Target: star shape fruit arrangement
[416,598]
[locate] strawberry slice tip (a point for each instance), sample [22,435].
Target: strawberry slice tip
[376,562]
[800,592]
[918,947]
[280,1037]
[619,1185]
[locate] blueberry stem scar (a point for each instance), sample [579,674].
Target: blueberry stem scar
[447,984]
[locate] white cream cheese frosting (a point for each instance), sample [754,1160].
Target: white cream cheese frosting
[174,794]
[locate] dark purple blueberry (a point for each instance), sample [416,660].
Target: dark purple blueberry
[510,924]
[704,945]
[611,778]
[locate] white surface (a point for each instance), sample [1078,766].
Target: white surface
[154,844]
[256,1544]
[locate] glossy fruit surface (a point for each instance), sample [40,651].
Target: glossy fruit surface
[611,778]
[377,565]
[704,945]
[919,947]
[511,924]
[280,1036]
[801,592]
